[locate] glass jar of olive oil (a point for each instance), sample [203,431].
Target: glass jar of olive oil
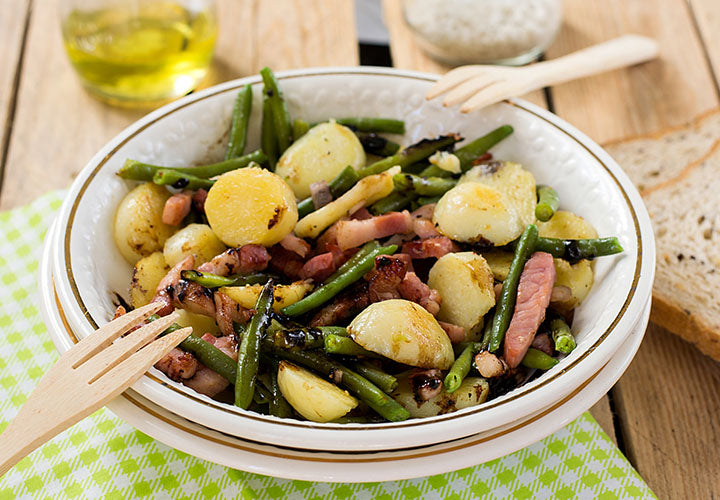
[139,52]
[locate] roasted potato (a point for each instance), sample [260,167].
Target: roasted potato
[365,192]
[404,332]
[499,262]
[199,323]
[139,229]
[513,181]
[194,239]
[465,283]
[476,213]
[579,277]
[251,205]
[319,155]
[146,276]
[313,397]
[472,391]
[284,295]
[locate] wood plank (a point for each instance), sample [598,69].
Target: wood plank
[12,28]
[602,412]
[668,400]
[665,92]
[707,17]
[406,54]
[59,127]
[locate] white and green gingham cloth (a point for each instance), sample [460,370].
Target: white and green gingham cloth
[103,457]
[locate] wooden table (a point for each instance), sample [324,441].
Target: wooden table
[663,413]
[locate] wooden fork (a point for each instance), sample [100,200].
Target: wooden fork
[93,372]
[477,86]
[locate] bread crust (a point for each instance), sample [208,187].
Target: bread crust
[686,325]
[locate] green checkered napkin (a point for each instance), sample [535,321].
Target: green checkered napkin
[103,457]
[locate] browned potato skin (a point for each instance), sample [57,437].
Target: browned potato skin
[146,276]
[473,391]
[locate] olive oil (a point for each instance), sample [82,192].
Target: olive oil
[140,52]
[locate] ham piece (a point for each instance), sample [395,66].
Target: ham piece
[431,247]
[319,267]
[412,288]
[353,233]
[243,260]
[176,208]
[294,244]
[533,296]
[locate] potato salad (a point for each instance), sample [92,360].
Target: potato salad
[335,276]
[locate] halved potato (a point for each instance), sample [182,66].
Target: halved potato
[499,262]
[465,283]
[139,229]
[364,193]
[513,181]
[404,332]
[146,277]
[472,391]
[199,323]
[475,213]
[194,239]
[284,295]
[566,225]
[251,205]
[313,397]
[319,155]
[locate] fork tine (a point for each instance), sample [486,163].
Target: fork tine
[123,348]
[468,89]
[122,376]
[452,79]
[489,95]
[104,336]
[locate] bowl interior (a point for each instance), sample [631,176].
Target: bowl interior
[194,131]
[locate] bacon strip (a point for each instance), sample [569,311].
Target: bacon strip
[430,247]
[285,262]
[533,297]
[198,200]
[243,260]
[319,267]
[165,291]
[178,365]
[294,244]
[455,333]
[176,208]
[425,228]
[227,312]
[353,233]
[412,288]
[388,275]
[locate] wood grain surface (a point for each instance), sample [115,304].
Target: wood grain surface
[666,404]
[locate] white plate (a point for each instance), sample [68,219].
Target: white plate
[87,266]
[308,465]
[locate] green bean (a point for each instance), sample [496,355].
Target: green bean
[378,145]
[427,200]
[278,404]
[575,250]
[459,369]
[368,392]
[239,124]
[332,288]
[548,203]
[165,176]
[261,395]
[377,376]
[487,331]
[299,128]
[302,338]
[386,125]
[338,186]
[506,303]
[535,358]
[249,350]
[411,154]
[562,336]
[280,114]
[480,146]
[209,280]
[353,261]
[394,202]
[212,357]
[268,139]
[140,171]
[335,344]
[423,186]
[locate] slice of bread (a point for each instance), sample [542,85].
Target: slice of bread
[654,159]
[686,218]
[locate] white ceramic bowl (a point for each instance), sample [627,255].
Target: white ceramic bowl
[88,269]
